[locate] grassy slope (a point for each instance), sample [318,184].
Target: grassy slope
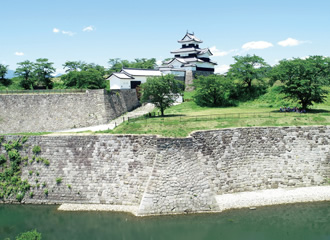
[260,112]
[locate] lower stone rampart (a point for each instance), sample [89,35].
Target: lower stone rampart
[169,175]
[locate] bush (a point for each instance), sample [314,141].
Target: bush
[58,180]
[31,235]
[36,149]
[46,192]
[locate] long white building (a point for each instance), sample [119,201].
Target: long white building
[188,62]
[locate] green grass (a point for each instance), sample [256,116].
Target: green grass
[181,120]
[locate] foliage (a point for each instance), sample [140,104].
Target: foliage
[58,180]
[3,72]
[116,64]
[70,66]
[161,91]
[42,73]
[245,70]
[303,79]
[11,183]
[36,149]
[30,235]
[25,74]
[213,91]
[35,75]
[90,79]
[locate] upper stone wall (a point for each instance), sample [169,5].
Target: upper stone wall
[51,112]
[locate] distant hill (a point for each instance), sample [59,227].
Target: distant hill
[10,74]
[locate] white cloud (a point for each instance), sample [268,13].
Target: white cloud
[290,42]
[217,53]
[56,30]
[68,33]
[88,29]
[222,69]
[19,53]
[257,45]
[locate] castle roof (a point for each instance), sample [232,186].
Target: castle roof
[189,37]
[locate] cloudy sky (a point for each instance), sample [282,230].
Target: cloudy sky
[95,31]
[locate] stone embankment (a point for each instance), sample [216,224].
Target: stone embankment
[51,112]
[156,175]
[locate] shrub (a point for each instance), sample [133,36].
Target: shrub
[2,159]
[46,192]
[36,149]
[19,196]
[58,180]
[46,162]
[44,184]
[31,235]
[31,194]
[30,172]
[69,186]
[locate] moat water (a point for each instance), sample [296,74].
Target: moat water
[298,221]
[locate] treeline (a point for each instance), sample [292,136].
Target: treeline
[301,80]
[78,74]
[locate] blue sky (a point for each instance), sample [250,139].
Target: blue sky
[95,31]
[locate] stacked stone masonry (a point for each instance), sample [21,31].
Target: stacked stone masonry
[177,175]
[51,112]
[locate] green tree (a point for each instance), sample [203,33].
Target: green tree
[213,91]
[161,91]
[246,69]
[3,72]
[116,64]
[90,79]
[25,74]
[70,66]
[43,71]
[303,79]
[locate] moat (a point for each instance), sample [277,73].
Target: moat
[295,221]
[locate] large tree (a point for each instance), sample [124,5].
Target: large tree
[25,74]
[90,79]
[70,66]
[248,68]
[43,70]
[213,91]
[161,91]
[3,72]
[304,79]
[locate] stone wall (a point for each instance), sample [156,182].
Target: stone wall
[170,175]
[51,112]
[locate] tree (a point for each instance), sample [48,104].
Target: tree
[161,91]
[116,64]
[42,73]
[213,91]
[303,79]
[25,74]
[70,66]
[90,79]
[3,72]
[248,68]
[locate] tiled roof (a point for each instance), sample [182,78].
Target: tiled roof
[121,76]
[191,37]
[192,49]
[141,72]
